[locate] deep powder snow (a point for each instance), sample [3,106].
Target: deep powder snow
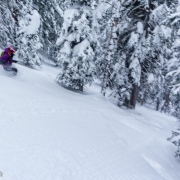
[48,132]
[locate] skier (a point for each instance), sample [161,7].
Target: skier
[6,59]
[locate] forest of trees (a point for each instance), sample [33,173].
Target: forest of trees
[132,47]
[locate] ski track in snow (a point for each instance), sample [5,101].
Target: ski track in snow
[50,133]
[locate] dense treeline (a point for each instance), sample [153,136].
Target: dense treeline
[131,47]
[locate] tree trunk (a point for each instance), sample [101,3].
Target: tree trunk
[166,103]
[134,96]
[157,105]
[81,88]
[143,99]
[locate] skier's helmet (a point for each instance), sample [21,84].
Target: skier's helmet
[13,48]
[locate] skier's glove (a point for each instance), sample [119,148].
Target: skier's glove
[14,61]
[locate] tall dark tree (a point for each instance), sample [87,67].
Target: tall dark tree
[138,26]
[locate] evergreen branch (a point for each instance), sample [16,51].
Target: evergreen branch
[110,4]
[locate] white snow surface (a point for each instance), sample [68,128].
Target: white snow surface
[48,132]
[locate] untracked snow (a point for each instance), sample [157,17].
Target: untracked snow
[48,132]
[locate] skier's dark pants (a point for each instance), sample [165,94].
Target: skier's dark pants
[9,68]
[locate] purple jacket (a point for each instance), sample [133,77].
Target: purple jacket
[6,59]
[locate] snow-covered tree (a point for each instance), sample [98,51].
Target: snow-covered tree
[175,109]
[156,52]
[137,46]
[133,19]
[103,24]
[27,33]
[77,44]
[121,86]
[51,23]
[173,63]
[7,25]
[175,139]
[110,50]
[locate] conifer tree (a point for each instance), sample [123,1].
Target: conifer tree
[7,23]
[137,27]
[77,43]
[156,53]
[51,23]
[103,23]
[110,51]
[175,139]
[27,37]
[172,73]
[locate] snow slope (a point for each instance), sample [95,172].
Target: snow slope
[48,132]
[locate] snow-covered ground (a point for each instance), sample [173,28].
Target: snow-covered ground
[48,132]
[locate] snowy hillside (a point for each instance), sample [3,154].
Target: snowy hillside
[50,133]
